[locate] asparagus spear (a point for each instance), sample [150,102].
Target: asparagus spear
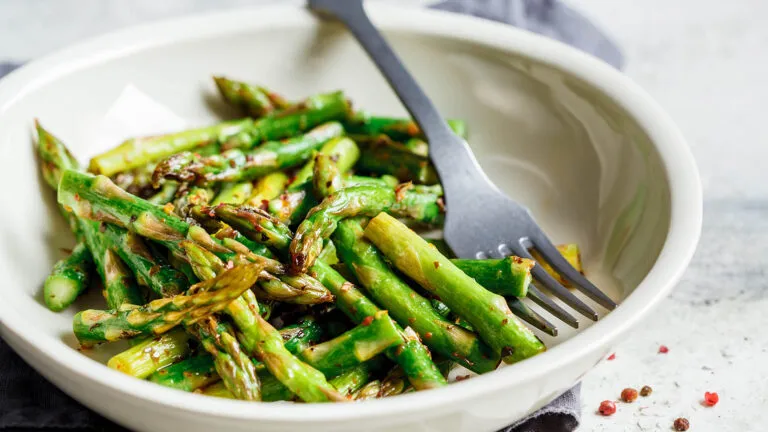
[271,390]
[296,202]
[159,316]
[356,180]
[150,270]
[233,366]
[266,188]
[166,193]
[417,146]
[356,377]
[297,293]
[120,286]
[251,99]
[233,193]
[188,375]
[374,335]
[487,312]
[399,129]
[509,276]
[311,112]
[68,279]
[342,150]
[237,165]
[137,152]
[326,179]
[369,391]
[406,306]
[321,222]
[146,357]
[412,356]
[69,276]
[380,155]
[255,224]
[266,344]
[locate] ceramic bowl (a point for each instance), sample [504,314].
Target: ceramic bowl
[589,152]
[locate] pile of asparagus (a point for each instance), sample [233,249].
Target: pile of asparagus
[273,257]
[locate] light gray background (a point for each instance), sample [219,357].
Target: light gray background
[705,62]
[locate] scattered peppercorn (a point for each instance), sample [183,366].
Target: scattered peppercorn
[681,424]
[711,399]
[607,408]
[367,321]
[629,395]
[663,349]
[646,391]
[612,357]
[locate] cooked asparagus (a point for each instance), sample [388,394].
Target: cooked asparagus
[487,312]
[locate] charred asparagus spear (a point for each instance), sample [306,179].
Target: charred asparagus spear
[238,165]
[322,221]
[412,356]
[159,316]
[380,155]
[406,305]
[251,99]
[487,312]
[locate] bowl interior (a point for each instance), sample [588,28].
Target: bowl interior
[587,171]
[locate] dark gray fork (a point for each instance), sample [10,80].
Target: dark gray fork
[482,222]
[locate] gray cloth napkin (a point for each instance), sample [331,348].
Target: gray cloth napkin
[29,402]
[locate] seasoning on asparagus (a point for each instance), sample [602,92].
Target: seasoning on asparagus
[266,188]
[371,337]
[407,306]
[322,221]
[159,316]
[487,312]
[253,100]
[412,355]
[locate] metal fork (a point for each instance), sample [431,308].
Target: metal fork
[482,222]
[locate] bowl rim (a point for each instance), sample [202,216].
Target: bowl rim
[685,201]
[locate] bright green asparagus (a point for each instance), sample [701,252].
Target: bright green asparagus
[509,276]
[68,279]
[251,99]
[374,335]
[159,316]
[487,312]
[146,357]
[406,306]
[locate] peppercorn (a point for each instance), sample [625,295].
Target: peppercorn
[711,399]
[607,408]
[681,424]
[629,395]
[646,391]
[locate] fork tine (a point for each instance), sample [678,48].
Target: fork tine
[547,304]
[552,255]
[531,317]
[554,287]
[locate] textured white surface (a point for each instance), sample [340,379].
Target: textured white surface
[704,61]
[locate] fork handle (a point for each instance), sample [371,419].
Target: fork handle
[450,154]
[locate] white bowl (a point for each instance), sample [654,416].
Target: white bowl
[588,151]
